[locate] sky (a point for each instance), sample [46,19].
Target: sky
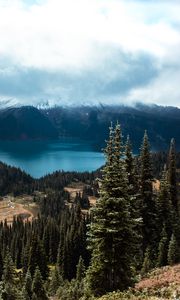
[67,52]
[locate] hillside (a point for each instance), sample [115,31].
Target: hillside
[25,123]
[91,123]
[162,283]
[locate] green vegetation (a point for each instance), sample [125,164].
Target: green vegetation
[76,250]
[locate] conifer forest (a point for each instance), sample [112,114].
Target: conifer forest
[75,249]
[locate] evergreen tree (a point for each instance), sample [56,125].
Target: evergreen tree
[162,249]
[1,266]
[172,180]
[147,264]
[56,281]
[164,205]
[9,274]
[112,237]
[10,280]
[148,204]
[173,251]
[37,287]
[80,273]
[27,288]
[130,166]
[37,257]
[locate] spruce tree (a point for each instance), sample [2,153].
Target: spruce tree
[172,180]
[173,251]
[38,290]
[164,205]
[37,257]
[148,211]
[162,249]
[10,279]
[27,288]
[80,273]
[130,166]
[1,266]
[147,264]
[112,237]
[56,281]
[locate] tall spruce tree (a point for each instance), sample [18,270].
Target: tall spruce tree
[112,237]
[27,288]
[174,197]
[149,213]
[10,280]
[172,180]
[162,249]
[38,290]
[173,251]
[164,205]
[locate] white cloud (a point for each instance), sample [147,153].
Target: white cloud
[76,37]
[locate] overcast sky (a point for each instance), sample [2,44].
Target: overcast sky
[90,51]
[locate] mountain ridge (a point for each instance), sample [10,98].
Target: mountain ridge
[91,123]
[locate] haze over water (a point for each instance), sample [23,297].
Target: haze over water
[39,158]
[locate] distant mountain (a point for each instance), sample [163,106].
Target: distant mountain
[25,122]
[91,123]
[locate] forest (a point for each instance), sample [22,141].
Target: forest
[73,250]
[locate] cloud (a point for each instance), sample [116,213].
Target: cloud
[68,51]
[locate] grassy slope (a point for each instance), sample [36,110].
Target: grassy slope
[162,283]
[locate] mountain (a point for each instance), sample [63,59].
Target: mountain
[91,123]
[25,122]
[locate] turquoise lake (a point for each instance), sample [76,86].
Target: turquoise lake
[39,158]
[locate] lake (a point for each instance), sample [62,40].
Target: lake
[39,158]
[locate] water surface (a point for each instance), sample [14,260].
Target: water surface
[39,158]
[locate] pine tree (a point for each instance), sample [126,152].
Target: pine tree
[148,204]
[37,257]
[80,273]
[9,274]
[172,180]
[164,205]
[9,279]
[27,288]
[1,266]
[129,165]
[147,264]
[56,281]
[112,237]
[173,251]
[37,286]
[162,249]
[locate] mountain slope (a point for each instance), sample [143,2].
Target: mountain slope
[25,123]
[91,123]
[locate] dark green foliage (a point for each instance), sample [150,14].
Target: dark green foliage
[27,288]
[127,206]
[73,290]
[37,258]
[113,240]
[10,280]
[56,281]
[162,249]
[80,272]
[147,265]
[1,266]
[38,286]
[172,176]
[148,205]
[164,205]
[9,274]
[173,251]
